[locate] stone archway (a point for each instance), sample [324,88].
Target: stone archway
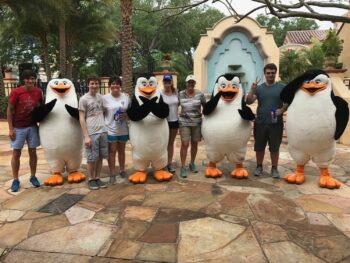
[242,48]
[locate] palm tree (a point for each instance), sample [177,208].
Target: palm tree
[126,37]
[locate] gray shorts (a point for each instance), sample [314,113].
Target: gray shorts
[268,133]
[99,148]
[29,135]
[192,133]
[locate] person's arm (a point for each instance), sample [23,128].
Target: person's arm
[10,113]
[82,120]
[283,109]
[251,96]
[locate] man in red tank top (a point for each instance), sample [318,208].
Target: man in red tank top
[22,128]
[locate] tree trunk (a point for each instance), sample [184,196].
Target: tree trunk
[69,64]
[2,85]
[62,37]
[126,40]
[46,58]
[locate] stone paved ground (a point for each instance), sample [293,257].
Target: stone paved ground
[186,220]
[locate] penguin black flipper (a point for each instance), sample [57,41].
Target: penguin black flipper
[42,111]
[160,109]
[341,115]
[74,112]
[210,106]
[288,92]
[246,112]
[137,112]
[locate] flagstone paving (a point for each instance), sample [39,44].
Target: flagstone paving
[185,220]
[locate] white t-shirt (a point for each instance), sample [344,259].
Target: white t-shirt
[113,106]
[173,102]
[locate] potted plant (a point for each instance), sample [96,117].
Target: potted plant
[332,47]
[166,62]
[8,73]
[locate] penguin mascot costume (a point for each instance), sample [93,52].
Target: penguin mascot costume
[60,133]
[226,126]
[149,131]
[316,118]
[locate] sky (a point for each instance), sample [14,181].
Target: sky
[244,6]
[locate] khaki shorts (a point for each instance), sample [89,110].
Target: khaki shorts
[190,132]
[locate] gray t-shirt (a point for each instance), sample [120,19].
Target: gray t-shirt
[268,98]
[93,108]
[191,114]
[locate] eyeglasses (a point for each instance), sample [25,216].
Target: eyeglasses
[270,73]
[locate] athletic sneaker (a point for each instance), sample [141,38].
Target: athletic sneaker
[258,171]
[93,185]
[35,182]
[112,179]
[123,174]
[183,172]
[100,183]
[170,168]
[193,168]
[275,173]
[15,185]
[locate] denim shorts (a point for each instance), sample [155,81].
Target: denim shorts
[119,138]
[27,134]
[99,148]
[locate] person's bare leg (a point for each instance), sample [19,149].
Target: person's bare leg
[259,157]
[98,168]
[194,149]
[121,155]
[15,162]
[91,170]
[112,150]
[183,152]
[274,158]
[172,136]
[33,160]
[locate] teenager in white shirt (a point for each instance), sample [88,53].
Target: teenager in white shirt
[116,103]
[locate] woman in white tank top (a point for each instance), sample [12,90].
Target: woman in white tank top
[170,97]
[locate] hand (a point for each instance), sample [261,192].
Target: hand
[279,112]
[87,141]
[12,134]
[255,84]
[123,116]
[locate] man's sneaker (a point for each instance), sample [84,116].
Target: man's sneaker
[35,182]
[123,174]
[93,185]
[112,179]
[15,185]
[101,184]
[193,168]
[258,171]
[170,168]
[275,173]
[183,172]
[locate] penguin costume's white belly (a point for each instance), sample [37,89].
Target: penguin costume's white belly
[225,133]
[310,128]
[61,136]
[149,141]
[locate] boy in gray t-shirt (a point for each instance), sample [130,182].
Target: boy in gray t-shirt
[94,131]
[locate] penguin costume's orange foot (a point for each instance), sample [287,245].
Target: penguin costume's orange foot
[329,182]
[239,172]
[76,177]
[162,175]
[212,172]
[296,178]
[138,178]
[55,179]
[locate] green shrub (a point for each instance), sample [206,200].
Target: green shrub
[3,106]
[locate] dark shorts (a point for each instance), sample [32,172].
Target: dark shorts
[173,124]
[268,133]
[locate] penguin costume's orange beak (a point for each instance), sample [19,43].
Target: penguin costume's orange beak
[228,93]
[148,91]
[312,87]
[60,89]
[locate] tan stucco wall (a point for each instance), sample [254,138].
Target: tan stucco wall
[344,34]
[257,34]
